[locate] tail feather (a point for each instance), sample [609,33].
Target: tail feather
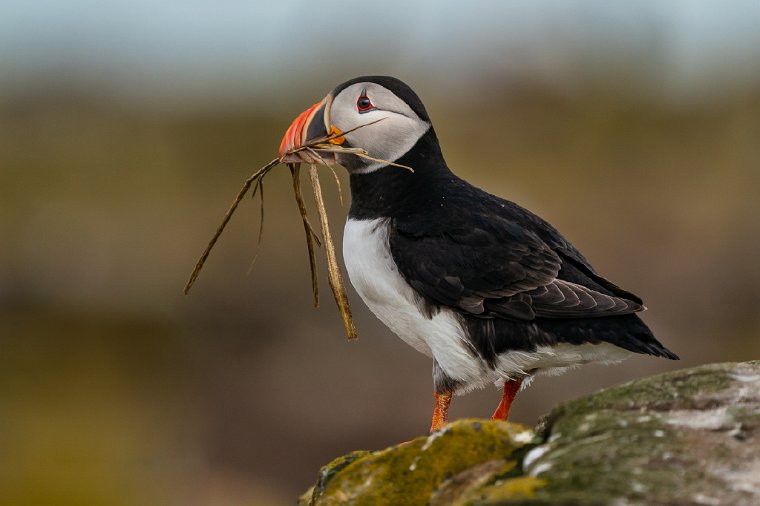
[627,331]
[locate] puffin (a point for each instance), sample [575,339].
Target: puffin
[491,292]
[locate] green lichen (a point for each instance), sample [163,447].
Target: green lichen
[469,481]
[686,437]
[327,472]
[621,442]
[611,455]
[410,473]
[510,491]
[745,416]
[663,392]
[325,475]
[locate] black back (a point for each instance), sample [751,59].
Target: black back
[514,279]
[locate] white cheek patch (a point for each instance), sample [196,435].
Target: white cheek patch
[397,131]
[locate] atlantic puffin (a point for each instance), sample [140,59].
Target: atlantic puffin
[487,289]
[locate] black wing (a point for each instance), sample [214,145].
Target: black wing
[508,264]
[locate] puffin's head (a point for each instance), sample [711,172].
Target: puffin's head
[379,114]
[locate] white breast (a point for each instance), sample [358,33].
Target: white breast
[375,277]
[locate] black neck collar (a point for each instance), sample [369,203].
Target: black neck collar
[390,191]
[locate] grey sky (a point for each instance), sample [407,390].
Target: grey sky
[203,49]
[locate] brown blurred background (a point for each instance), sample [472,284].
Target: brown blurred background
[126,130]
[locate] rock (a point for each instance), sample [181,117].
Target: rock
[686,437]
[448,462]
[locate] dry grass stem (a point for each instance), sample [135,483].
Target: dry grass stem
[258,188]
[311,237]
[337,183]
[312,152]
[335,174]
[333,271]
[246,186]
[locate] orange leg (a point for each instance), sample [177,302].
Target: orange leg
[511,387]
[440,411]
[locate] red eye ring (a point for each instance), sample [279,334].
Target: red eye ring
[363,103]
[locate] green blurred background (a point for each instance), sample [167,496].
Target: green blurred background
[127,128]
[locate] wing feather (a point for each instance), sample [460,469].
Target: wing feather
[498,268]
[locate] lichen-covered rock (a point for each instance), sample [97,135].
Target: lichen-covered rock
[412,472]
[686,437]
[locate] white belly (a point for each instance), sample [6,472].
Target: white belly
[374,275]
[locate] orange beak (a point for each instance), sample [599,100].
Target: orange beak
[310,125]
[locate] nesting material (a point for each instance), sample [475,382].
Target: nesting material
[320,151]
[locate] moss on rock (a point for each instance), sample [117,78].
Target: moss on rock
[686,437]
[410,473]
[507,491]
[667,439]
[663,392]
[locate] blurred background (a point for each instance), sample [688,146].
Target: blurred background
[126,128]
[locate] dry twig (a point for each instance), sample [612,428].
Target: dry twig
[333,271]
[313,148]
[246,186]
[311,237]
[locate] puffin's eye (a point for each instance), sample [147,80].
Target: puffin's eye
[363,103]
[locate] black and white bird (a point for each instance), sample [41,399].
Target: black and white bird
[487,289]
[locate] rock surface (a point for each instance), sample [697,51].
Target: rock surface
[686,437]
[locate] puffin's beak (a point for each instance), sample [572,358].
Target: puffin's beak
[311,125]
